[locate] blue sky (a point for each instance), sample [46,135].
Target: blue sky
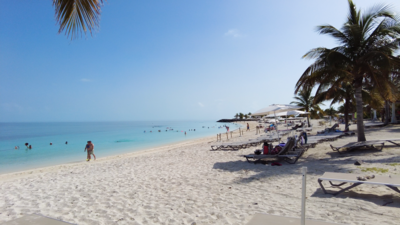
[163,60]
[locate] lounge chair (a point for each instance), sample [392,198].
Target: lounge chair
[390,141]
[265,219]
[356,145]
[329,130]
[35,219]
[229,146]
[237,145]
[392,182]
[290,153]
[298,126]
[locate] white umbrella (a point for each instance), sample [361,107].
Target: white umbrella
[290,113]
[275,108]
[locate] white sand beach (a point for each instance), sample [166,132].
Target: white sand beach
[186,183]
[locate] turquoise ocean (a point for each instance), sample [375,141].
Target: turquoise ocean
[109,138]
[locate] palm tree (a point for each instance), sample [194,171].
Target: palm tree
[236,116]
[241,116]
[330,111]
[344,92]
[306,101]
[364,56]
[75,16]
[246,116]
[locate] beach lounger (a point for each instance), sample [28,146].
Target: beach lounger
[356,145]
[265,219]
[392,181]
[329,130]
[230,146]
[290,153]
[390,141]
[35,219]
[237,145]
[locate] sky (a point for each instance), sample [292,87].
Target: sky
[160,60]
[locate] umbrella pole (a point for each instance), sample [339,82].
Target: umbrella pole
[277,127]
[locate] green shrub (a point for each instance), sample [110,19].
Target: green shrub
[375,169]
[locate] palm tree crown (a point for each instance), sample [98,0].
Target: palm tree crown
[75,16]
[305,100]
[364,56]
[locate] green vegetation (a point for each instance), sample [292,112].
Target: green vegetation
[364,60]
[394,164]
[306,100]
[375,169]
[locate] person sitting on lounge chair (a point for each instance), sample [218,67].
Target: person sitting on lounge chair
[271,127]
[298,126]
[347,128]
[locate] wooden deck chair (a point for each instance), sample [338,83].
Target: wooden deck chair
[290,153]
[35,219]
[356,145]
[265,219]
[392,181]
[390,141]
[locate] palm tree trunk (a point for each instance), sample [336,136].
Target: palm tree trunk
[387,112]
[394,120]
[308,119]
[346,112]
[359,107]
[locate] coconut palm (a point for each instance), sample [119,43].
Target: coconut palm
[77,16]
[236,116]
[365,54]
[344,92]
[306,101]
[330,111]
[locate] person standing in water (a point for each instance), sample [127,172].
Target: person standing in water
[90,148]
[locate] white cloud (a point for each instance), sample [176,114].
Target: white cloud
[86,80]
[234,33]
[200,104]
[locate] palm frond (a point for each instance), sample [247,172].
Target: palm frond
[77,16]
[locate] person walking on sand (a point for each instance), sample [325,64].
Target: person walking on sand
[90,148]
[248,126]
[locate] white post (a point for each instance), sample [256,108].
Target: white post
[276,128]
[394,120]
[374,116]
[303,197]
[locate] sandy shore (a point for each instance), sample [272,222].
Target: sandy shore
[186,183]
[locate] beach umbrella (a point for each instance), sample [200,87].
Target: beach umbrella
[290,113]
[274,109]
